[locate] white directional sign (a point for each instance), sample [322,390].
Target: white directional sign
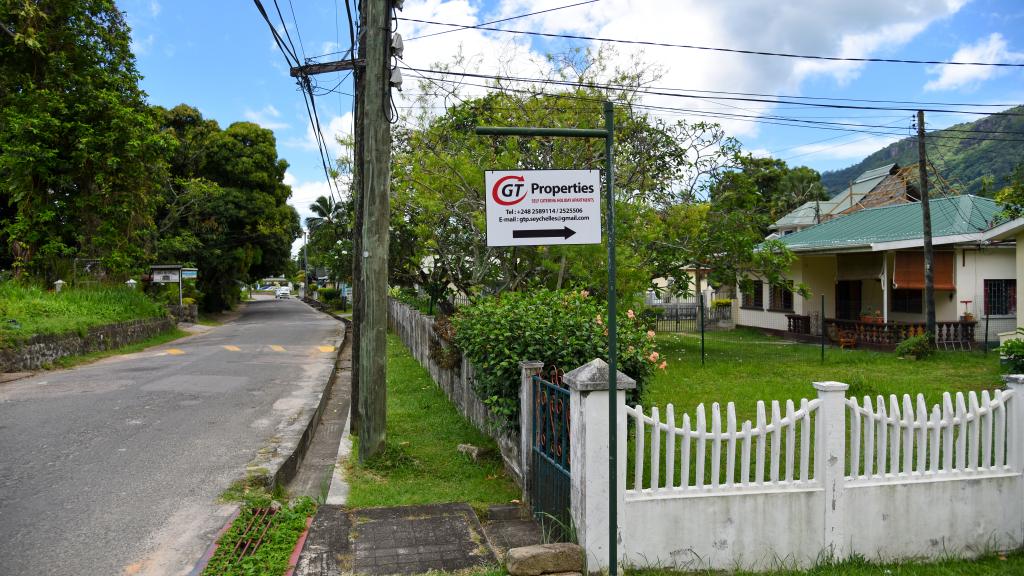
[539,207]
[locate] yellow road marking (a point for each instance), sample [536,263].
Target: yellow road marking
[326,348]
[277,348]
[175,351]
[232,348]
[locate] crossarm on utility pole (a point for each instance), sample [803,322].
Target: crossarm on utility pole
[324,68]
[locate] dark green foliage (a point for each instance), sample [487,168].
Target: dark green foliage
[563,329]
[329,295]
[225,208]
[919,346]
[975,163]
[1013,353]
[80,160]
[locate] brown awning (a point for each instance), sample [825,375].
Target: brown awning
[909,271]
[859,266]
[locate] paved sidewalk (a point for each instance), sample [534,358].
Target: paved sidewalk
[409,540]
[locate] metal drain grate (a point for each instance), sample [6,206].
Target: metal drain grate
[251,538]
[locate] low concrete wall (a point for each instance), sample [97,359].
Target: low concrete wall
[416,332]
[42,350]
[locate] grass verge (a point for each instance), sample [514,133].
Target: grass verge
[26,311]
[744,366]
[273,554]
[421,464]
[162,338]
[988,565]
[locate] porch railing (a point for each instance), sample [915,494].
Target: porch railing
[889,334]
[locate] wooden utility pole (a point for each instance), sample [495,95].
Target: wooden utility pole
[926,217]
[375,182]
[370,185]
[357,228]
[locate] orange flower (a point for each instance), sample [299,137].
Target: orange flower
[630,314]
[597,319]
[653,357]
[663,364]
[584,293]
[650,334]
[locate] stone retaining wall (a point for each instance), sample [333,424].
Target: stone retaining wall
[187,313]
[39,351]
[416,331]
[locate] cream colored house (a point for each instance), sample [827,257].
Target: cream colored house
[869,267]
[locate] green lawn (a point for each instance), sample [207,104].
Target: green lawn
[991,565]
[744,366]
[421,464]
[26,310]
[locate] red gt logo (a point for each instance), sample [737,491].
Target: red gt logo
[506,193]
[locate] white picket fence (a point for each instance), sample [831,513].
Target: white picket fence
[686,444]
[827,477]
[898,444]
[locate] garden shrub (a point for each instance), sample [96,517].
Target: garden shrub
[563,329]
[919,346]
[1012,353]
[329,295]
[721,303]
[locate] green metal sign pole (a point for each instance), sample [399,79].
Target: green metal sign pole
[608,134]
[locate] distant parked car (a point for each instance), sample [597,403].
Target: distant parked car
[283,292]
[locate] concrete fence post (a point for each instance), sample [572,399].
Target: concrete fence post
[830,463]
[1015,415]
[1015,436]
[588,458]
[527,370]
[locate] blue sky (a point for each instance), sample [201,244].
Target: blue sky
[220,58]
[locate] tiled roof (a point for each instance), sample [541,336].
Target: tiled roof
[950,216]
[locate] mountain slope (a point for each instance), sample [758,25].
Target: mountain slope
[963,154]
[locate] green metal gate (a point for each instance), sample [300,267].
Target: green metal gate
[550,474]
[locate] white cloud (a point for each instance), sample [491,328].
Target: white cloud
[266,117]
[335,127]
[990,49]
[143,46]
[865,28]
[154,8]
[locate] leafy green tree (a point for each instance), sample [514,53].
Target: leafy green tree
[224,208]
[79,155]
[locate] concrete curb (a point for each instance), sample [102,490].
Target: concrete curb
[284,467]
[280,468]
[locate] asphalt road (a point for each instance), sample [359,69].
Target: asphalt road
[115,467]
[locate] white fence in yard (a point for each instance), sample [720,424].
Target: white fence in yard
[828,477]
[654,469]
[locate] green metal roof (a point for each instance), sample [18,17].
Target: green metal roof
[950,216]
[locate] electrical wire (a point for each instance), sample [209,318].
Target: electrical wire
[711,114]
[503,20]
[677,94]
[715,49]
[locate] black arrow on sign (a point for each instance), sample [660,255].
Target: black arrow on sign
[565,232]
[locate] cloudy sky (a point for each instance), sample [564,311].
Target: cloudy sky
[220,57]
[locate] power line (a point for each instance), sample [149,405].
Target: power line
[713,49]
[286,33]
[676,93]
[502,20]
[291,57]
[298,32]
[781,121]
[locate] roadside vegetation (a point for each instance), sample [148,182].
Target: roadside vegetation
[421,464]
[280,533]
[988,565]
[744,366]
[26,311]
